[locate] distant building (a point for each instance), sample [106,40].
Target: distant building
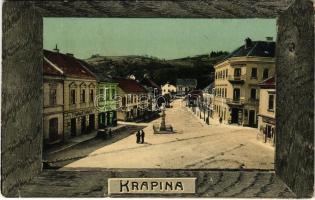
[79,89]
[133,99]
[53,103]
[168,89]
[236,82]
[154,91]
[183,86]
[267,111]
[208,99]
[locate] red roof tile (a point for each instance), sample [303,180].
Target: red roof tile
[70,66]
[130,85]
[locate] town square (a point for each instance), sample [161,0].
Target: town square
[206,111]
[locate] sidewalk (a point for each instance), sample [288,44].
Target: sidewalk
[212,122]
[79,139]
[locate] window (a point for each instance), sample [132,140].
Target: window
[72,96]
[225,92]
[107,94]
[253,93]
[226,73]
[236,94]
[83,96]
[223,74]
[265,73]
[101,91]
[52,96]
[237,72]
[91,95]
[271,102]
[113,93]
[254,73]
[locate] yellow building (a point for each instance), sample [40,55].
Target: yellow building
[236,82]
[267,111]
[53,104]
[168,89]
[79,89]
[133,100]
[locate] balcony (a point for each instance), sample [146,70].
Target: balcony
[237,102]
[235,79]
[254,102]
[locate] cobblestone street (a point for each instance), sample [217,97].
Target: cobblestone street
[194,145]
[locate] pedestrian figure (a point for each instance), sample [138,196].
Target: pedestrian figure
[110,132]
[142,136]
[220,120]
[138,136]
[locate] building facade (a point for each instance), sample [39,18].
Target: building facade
[133,100]
[267,111]
[79,90]
[184,86]
[168,89]
[53,104]
[106,103]
[236,82]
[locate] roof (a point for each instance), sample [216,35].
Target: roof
[149,83]
[69,65]
[50,69]
[268,83]
[130,85]
[208,88]
[101,76]
[254,48]
[186,82]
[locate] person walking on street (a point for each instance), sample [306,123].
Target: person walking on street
[220,120]
[110,133]
[138,136]
[142,136]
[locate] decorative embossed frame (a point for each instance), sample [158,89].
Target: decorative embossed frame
[21,114]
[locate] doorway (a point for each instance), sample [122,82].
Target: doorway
[92,122]
[234,119]
[73,127]
[83,124]
[251,118]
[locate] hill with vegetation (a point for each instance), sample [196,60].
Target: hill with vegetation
[199,67]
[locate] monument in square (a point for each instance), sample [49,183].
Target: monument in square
[163,128]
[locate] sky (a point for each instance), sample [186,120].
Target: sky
[164,38]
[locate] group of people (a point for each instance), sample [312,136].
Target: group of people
[140,136]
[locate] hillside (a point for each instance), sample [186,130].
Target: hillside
[161,71]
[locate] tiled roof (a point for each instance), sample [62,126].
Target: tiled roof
[268,83]
[49,69]
[149,83]
[190,82]
[100,75]
[254,48]
[130,85]
[70,66]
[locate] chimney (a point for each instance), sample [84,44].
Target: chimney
[269,39]
[248,43]
[56,49]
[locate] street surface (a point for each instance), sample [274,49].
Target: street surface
[195,145]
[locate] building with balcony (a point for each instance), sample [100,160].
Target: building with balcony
[133,99]
[267,111]
[79,89]
[236,82]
